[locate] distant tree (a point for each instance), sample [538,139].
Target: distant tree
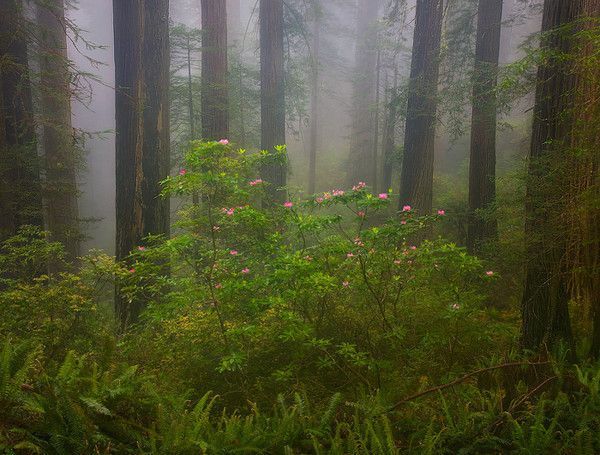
[20,189]
[215,103]
[58,139]
[363,163]
[142,128]
[272,92]
[389,133]
[314,100]
[416,185]
[545,312]
[482,165]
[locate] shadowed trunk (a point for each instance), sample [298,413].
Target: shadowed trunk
[142,128]
[215,104]
[389,135]
[483,227]
[416,185]
[314,106]
[20,191]
[58,142]
[544,305]
[272,93]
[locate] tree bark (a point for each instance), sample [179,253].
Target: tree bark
[20,189]
[141,30]
[58,142]
[314,106]
[215,102]
[361,166]
[545,313]
[482,226]
[389,135]
[272,93]
[416,186]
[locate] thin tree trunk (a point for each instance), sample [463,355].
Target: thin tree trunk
[272,93]
[314,107]
[375,158]
[215,102]
[416,186]
[545,314]
[58,144]
[142,128]
[191,112]
[483,227]
[361,141]
[20,189]
[389,136]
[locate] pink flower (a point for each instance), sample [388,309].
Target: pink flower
[338,192]
[256,182]
[246,271]
[397,262]
[350,255]
[319,200]
[131,270]
[218,286]
[182,172]
[403,222]
[441,212]
[327,195]
[308,258]
[288,205]
[233,252]
[489,273]
[361,214]
[224,142]
[360,186]
[358,241]
[383,196]
[413,247]
[406,208]
[345,284]
[141,248]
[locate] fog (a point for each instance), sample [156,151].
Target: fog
[95,115]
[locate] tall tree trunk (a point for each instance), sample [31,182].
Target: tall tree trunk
[272,93]
[314,106]
[20,189]
[191,110]
[545,314]
[389,135]
[375,157]
[58,142]
[583,248]
[215,103]
[416,186]
[142,128]
[361,142]
[482,165]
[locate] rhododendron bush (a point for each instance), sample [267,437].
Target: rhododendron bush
[326,292]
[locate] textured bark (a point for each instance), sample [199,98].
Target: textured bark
[141,30]
[416,185]
[545,314]
[361,165]
[482,165]
[58,143]
[215,103]
[272,93]
[314,106]
[20,192]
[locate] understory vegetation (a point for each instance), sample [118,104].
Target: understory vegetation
[323,324]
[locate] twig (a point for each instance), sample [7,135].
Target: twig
[462,379]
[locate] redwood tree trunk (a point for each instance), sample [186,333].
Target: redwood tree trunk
[416,186]
[215,103]
[545,314]
[20,191]
[314,106]
[482,166]
[272,93]
[389,135]
[58,144]
[142,127]
[361,166]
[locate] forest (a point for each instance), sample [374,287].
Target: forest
[299,227]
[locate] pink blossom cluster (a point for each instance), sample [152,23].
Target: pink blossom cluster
[256,182]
